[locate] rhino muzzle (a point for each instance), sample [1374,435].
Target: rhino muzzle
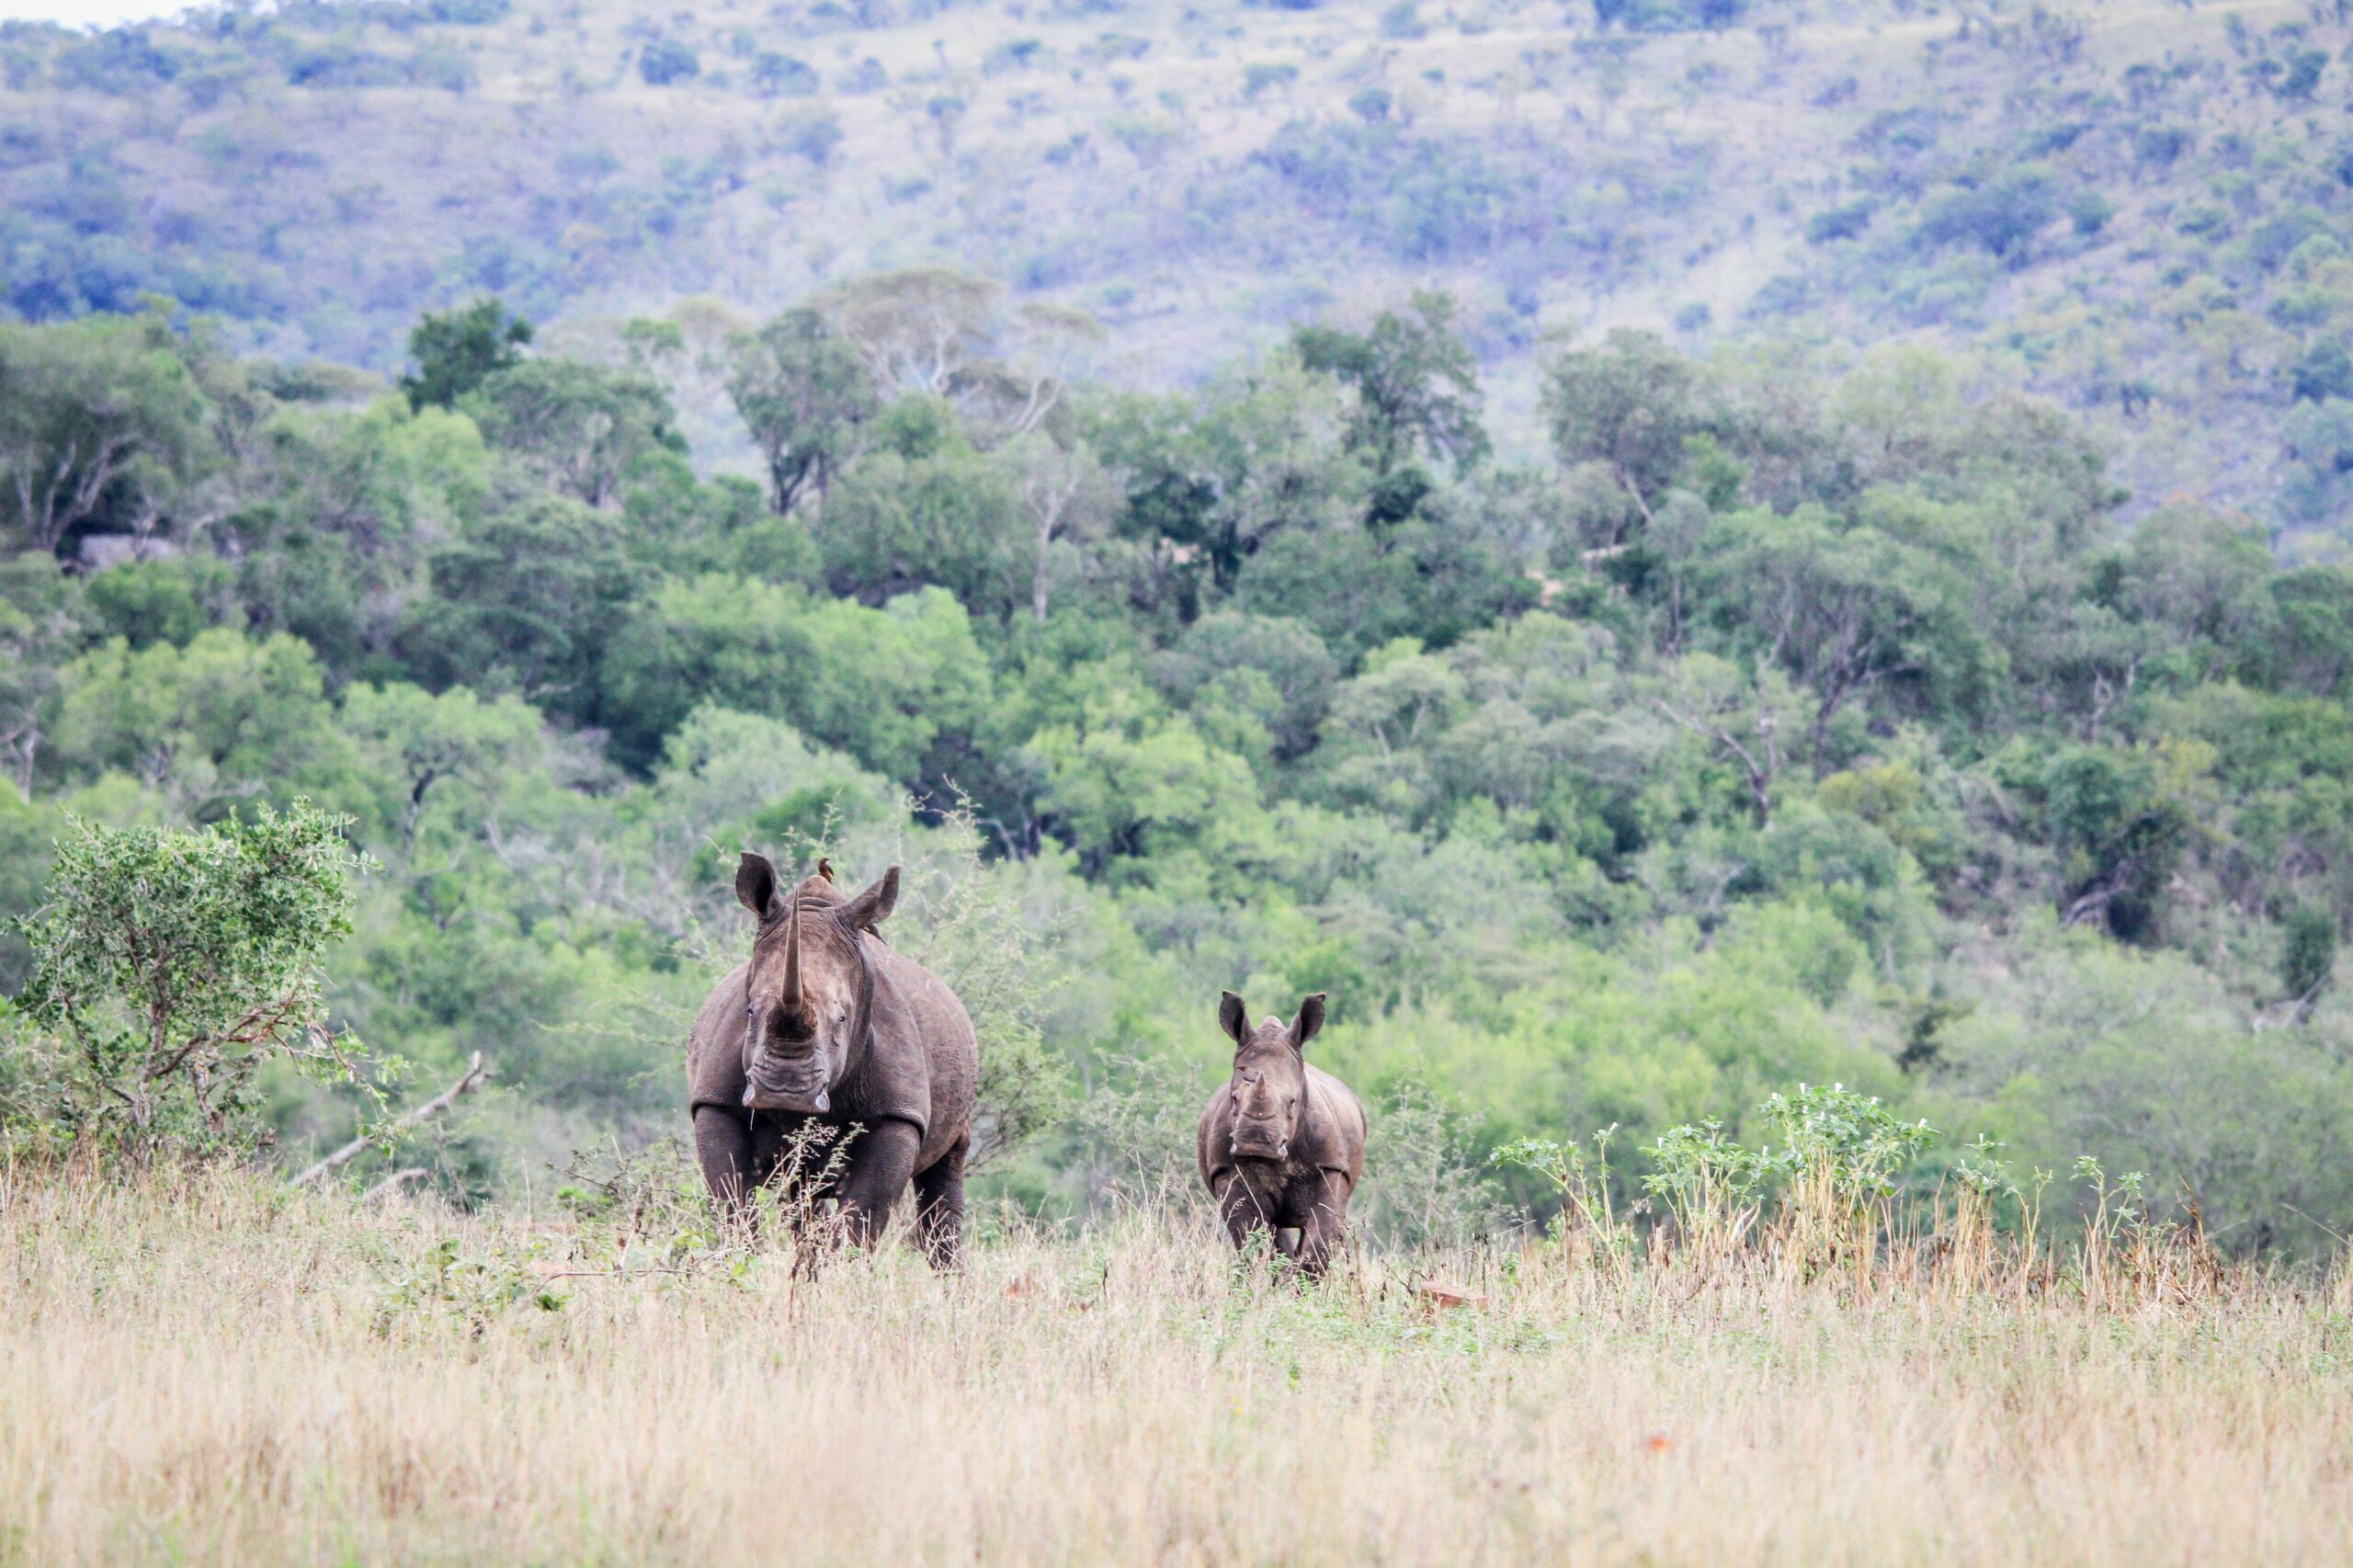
[809,1100]
[1260,1143]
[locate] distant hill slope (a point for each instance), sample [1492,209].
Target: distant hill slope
[2138,209]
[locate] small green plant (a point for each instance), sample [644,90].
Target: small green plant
[1843,1153]
[1712,1188]
[475,1287]
[1587,1226]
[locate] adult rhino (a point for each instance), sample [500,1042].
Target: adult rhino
[825,1025]
[1281,1145]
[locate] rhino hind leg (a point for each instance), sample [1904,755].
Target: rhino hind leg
[939,1208]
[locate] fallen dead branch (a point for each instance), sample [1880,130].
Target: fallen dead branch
[472,1079]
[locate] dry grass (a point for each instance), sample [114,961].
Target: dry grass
[214,1370]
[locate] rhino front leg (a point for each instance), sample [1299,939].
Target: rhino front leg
[880,1164]
[723,1149]
[1322,1224]
[1242,1212]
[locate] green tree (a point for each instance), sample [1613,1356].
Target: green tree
[949,517]
[101,422]
[457,350]
[172,964]
[526,601]
[881,683]
[803,391]
[1628,406]
[580,427]
[1415,383]
[1849,610]
[40,627]
[224,718]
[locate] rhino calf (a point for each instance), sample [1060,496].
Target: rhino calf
[826,1027]
[1281,1145]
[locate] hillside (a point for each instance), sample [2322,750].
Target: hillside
[2137,209]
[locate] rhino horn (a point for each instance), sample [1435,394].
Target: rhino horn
[790,1003]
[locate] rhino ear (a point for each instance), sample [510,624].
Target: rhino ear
[1310,1020]
[874,905]
[1233,1017]
[755,884]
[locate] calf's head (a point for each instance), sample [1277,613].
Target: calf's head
[1269,1085]
[808,993]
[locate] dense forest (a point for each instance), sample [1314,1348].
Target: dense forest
[2141,210]
[1772,729]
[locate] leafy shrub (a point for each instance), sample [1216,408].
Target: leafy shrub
[2089,211]
[2325,372]
[172,964]
[1840,222]
[1257,78]
[781,77]
[2308,950]
[2001,216]
[665,60]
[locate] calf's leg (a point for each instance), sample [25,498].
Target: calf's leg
[1242,1212]
[1323,1223]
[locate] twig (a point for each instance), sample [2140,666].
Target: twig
[474,1074]
[605,1274]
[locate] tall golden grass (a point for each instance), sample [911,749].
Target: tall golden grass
[209,1368]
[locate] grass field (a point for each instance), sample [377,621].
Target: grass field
[212,1369]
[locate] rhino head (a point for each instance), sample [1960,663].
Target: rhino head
[808,993]
[1269,1085]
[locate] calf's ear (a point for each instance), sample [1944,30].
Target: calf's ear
[755,884]
[1233,1017]
[874,905]
[1310,1020]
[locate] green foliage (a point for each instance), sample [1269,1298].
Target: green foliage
[2308,951]
[458,350]
[102,422]
[1790,728]
[1415,383]
[804,391]
[2003,215]
[881,683]
[171,965]
[581,428]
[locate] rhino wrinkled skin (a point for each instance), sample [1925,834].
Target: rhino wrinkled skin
[827,1024]
[1281,1144]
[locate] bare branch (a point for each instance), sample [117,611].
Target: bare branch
[474,1074]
